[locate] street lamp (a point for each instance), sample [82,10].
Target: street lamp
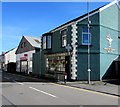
[89,70]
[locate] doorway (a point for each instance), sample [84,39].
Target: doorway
[24,66]
[67,67]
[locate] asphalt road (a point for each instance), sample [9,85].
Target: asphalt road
[21,90]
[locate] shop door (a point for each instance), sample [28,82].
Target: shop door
[67,67]
[24,66]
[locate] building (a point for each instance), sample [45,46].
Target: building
[9,58]
[65,48]
[24,53]
[2,61]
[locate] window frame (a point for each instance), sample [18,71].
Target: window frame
[46,40]
[44,37]
[50,42]
[89,40]
[65,36]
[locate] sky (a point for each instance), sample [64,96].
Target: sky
[36,18]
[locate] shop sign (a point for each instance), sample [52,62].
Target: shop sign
[23,58]
[59,54]
[109,49]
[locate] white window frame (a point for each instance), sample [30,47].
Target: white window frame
[44,42]
[87,35]
[64,41]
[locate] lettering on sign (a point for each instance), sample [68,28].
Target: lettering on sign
[110,40]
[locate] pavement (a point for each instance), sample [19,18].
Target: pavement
[98,86]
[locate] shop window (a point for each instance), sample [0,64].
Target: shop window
[55,64]
[64,37]
[86,37]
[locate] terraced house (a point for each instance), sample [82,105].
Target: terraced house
[24,53]
[65,48]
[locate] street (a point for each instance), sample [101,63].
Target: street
[21,90]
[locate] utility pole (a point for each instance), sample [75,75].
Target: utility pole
[89,70]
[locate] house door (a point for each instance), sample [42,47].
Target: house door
[67,67]
[24,66]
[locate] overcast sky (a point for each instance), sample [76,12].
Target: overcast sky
[36,18]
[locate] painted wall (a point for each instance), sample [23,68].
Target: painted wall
[108,25]
[102,25]
[24,46]
[38,64]
[94,50]
[10,56]
[30,55]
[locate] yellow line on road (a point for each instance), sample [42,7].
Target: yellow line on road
[86,90]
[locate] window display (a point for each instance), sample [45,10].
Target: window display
[55,64]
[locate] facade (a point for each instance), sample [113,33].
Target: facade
[65,48]
[2,61]
[24,53]
[9,57]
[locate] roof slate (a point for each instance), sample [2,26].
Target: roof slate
[33,41]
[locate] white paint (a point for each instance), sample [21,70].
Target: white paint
[20,83]
[29,57]
[29,53]
[10,56]
[110,4]
[43,92]
[74,52]
[87,16]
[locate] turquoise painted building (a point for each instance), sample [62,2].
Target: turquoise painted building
[64,50]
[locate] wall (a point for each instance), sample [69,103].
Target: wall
[82,73]
[108,25]
[10,56]
[26,48]
[30,55]
[38,64]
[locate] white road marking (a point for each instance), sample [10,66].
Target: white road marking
[42,92]
[18,82]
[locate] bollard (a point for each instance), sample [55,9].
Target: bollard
[65,78]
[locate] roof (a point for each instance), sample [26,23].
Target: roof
[9,51]
[34,41]
[86,15]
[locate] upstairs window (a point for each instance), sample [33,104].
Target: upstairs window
[86,37]
[23,45]
[64,37]
[44,42]
[47,42]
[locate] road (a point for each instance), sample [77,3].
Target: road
[21,90]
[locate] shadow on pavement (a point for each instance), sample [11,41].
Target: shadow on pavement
[113,81]
[12,77]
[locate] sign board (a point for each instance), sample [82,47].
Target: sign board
[23,58]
